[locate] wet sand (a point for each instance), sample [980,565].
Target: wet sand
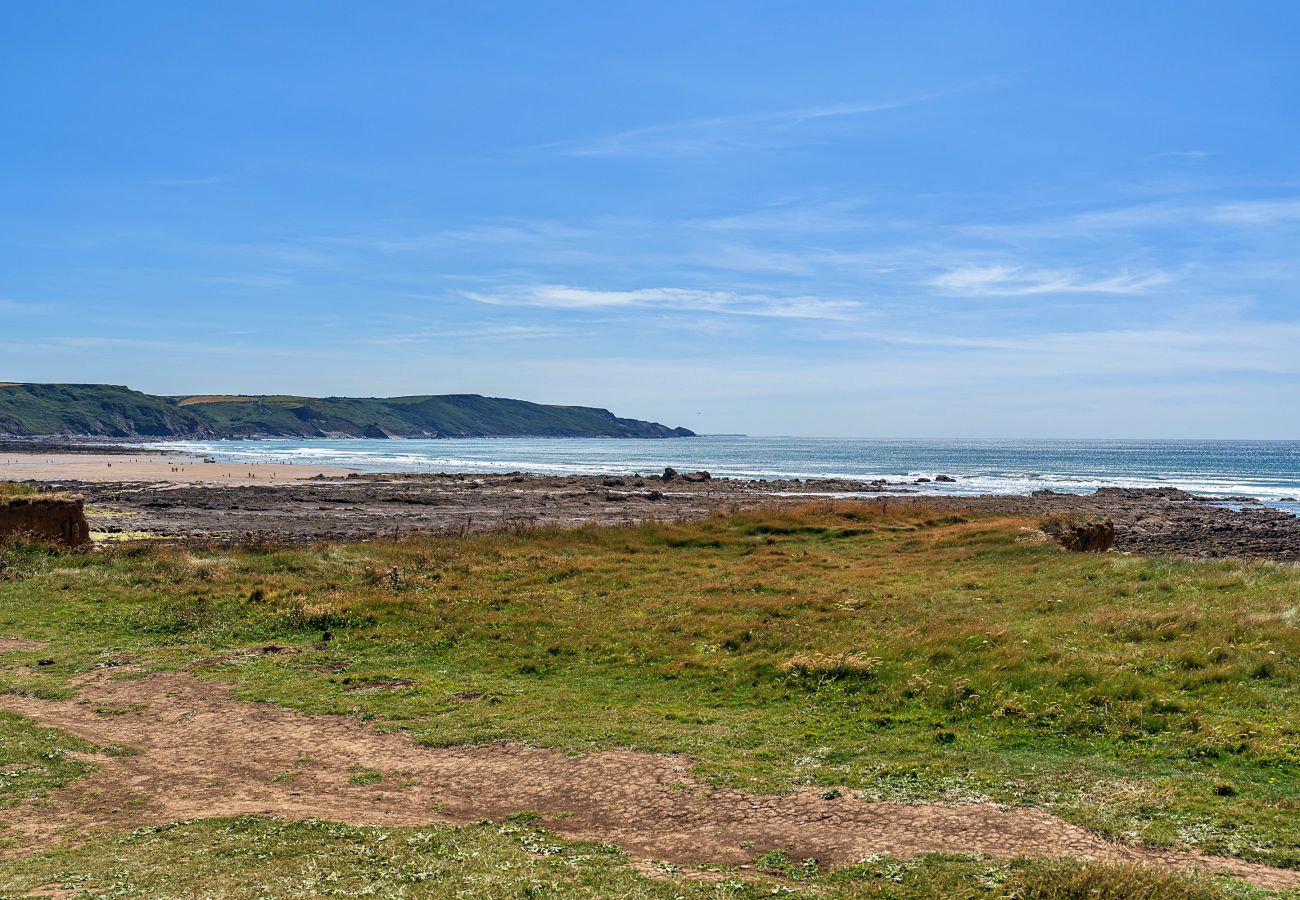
[174,468]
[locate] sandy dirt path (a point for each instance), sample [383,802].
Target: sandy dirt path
[205,754]
[154,468]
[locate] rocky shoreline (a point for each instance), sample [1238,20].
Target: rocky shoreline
[360,507]
[86,445]
[1164,521]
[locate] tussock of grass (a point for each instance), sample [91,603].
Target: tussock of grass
[832,665]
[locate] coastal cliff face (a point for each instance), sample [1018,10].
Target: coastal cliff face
[98,410]
[60,519]
[101,410]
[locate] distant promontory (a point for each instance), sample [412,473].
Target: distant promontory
[103,410]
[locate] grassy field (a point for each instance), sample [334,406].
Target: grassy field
[257,857]
[904,655]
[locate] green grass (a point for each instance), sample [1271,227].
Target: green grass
[904,656]
[258,857]
[35,760]
[13,494]
[10,490]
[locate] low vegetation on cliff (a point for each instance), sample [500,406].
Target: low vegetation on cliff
[13,492]
[110,411]
[899,654]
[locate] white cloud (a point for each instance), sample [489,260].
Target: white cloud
[498,332]
[553,296]
[701,136]
[1016,281]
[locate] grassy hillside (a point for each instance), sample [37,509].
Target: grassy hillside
[112,411]
[101,410]
[452,415]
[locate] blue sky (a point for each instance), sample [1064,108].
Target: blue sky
[959,219]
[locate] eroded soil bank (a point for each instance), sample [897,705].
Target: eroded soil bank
[57,518]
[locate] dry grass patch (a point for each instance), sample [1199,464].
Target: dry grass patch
[217,398]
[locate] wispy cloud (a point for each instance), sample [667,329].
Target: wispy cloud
[481,332]
[1258,212]
[261,282]
[96,342]
[696,137]
[1182,154]
[182,346]
[18,308]
[1180,215]
[1139,217]
[1225,346]
[196,181]
[554,296]
[1015,281]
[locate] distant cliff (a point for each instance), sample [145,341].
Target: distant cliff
[102,410]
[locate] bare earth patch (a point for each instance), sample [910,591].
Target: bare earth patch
[12,645]
[203,754]
[218,398]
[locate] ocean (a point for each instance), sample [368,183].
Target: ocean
[1266,470]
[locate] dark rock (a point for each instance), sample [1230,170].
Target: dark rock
[669,474]
[1082,537]
[1120,493]
[612,482]
[697,476]
[945,478]
[921,481]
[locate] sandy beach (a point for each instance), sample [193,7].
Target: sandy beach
[157,467]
